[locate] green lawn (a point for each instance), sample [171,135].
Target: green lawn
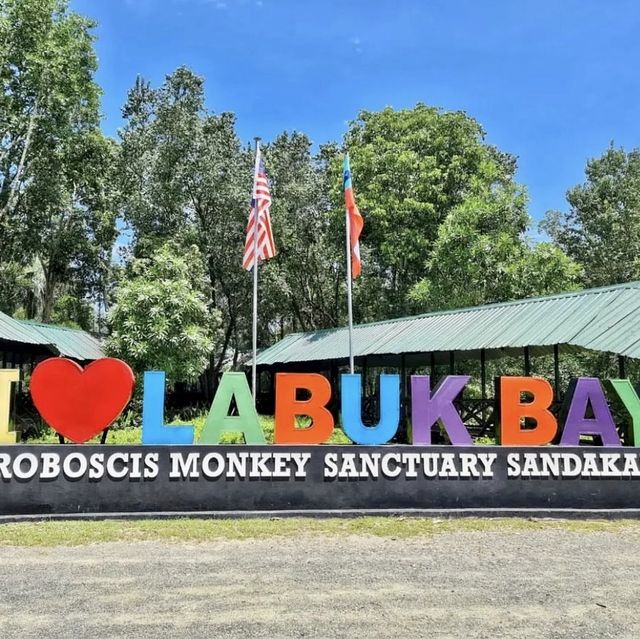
[75,533]
[133,436]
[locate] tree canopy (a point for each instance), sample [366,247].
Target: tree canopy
[56,216]
[160,319]
[601,229]
[185,176]
[446,221]
[482,255]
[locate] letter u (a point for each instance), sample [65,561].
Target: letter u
[351,404]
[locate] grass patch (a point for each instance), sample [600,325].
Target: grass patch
[78,533]
[133,435]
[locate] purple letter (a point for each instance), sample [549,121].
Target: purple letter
[588,390]
[427,409]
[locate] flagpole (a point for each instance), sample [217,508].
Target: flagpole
[349,300]
[254,334]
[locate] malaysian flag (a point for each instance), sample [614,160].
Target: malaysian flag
[355,219]
[260,203]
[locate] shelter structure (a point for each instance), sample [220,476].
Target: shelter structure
[25,343]
[599,319]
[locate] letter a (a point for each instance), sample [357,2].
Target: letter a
[583,392]
[246,422]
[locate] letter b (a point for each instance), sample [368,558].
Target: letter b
[288,407]
[513,410]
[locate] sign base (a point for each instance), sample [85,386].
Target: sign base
[247,481]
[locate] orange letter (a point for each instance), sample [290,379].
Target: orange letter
[288,407]
[513,410]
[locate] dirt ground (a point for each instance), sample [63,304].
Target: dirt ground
[539,583]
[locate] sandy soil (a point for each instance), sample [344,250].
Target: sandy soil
[547,583]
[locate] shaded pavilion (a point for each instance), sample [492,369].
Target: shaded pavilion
[600,319]
[24,343]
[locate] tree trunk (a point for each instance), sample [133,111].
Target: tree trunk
[48,297]
[216,364]
[14,187]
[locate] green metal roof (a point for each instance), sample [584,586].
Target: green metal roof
[16,331]
[68,342]
[603,319]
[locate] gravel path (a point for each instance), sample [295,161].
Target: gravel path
[546,583]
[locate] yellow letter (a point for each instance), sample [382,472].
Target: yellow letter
[7,375]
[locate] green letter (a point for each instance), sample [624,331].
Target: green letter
[232,386]
[627,393]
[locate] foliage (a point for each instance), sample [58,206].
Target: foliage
[160,320]
[481,255]
[303,288]
[13,283]
[601,230]
[47,63]
[423,179]
[72,311]
[56,217]
[185,176]
[72,234]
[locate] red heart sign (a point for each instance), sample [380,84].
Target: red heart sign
[79,403]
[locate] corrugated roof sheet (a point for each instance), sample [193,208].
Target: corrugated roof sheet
[604,319]
[15,331]
[60,340]
[69,342]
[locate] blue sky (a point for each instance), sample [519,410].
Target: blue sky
[552,81]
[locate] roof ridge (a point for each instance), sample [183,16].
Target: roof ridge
[56,326]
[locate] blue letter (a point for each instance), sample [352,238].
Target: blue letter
[154,432]
[389,410]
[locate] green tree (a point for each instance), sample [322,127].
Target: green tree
[160,319]
[56,216]
[70,227]
[411,169]
[482,255]
[601,230]
[303,287]
[70,310]
[184,175]
[47,64]
[14,281]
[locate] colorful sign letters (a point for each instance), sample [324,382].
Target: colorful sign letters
[80,403]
